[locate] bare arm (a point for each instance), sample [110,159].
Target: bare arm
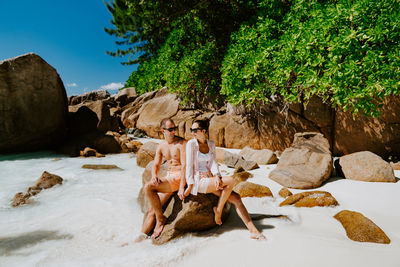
[183,169]
[156,166]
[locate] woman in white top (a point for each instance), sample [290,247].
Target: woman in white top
[203,176]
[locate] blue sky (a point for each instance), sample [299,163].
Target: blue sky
[69,35]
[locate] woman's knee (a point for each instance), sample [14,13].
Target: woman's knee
[228,180]
[235,199]
[148,187]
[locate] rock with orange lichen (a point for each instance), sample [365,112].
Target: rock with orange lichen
[360,228]
[311,199]
[247,189]
[90,152]
[133,146]
[240,175]
[284,192]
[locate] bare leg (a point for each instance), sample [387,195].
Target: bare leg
[150,217]
[241,210]
[155,202]
[227,184]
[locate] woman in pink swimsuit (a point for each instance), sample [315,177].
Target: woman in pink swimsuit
[203,176]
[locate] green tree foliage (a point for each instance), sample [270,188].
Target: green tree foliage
[345,51]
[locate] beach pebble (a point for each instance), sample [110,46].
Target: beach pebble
[284,192]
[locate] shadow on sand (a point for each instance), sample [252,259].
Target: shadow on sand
[234,222]
[12,243]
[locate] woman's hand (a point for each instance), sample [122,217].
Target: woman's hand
[181,193]
[219,183]
[155,180]
[187,191]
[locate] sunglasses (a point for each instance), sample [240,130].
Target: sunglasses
[194,130]
[170,129]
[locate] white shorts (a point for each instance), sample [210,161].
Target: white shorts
[205,179]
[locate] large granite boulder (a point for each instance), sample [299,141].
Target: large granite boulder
[261,157]
[272,126]
[125,96]
[380,135]
[395,166]
[306,164]
[361,229]
[104,143]
[366,166]
[146,153]
[82,120]
[88,97]
[105,122]
[154,110]
[233,131]
[130,112]
[234,160]
[146,177]
[33,105]
[193,214]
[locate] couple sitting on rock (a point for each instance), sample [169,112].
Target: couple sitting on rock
[192,163]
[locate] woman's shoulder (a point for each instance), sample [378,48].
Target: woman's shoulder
[210,142]
[191,142]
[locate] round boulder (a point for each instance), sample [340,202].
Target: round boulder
[366,166]
[33,105]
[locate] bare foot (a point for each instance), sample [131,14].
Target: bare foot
[217,216]
[141,237]
[159,227]
[257,236]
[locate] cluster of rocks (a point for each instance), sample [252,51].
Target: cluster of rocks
[46,180]
[28,82]
[308,162]
[358,227]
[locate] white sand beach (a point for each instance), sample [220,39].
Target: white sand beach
[84,221]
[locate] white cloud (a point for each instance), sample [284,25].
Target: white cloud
[72,85]
[112,86]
